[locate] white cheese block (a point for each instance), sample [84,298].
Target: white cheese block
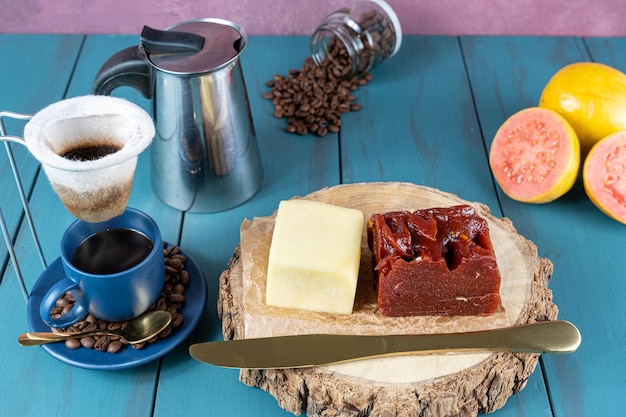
[314,257]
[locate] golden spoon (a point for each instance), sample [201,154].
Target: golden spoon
[138,330]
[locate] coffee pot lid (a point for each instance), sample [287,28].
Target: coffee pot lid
[193,47]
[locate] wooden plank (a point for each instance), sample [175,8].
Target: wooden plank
[418,124]
[61,387]
[25,88]
[21,83]
[508,74]
[602,360]
[293,165]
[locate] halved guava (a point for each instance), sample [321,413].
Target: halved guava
[535,156]
[604,176]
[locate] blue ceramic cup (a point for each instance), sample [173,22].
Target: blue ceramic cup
[104,292]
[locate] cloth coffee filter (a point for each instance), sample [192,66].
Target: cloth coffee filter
[71,122]
[93,190]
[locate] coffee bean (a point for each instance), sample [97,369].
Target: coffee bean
[90,327]
[172,299]
[176,298]
[178,289]
[72,343]
[61,302]
[184,277]
[172,279]
[301,129]
[102,343]
[171,251]
[87,342]
[114,346]
[161,304]
[115,325]
[80,326]
[177,320]
[176,263]
[139,346]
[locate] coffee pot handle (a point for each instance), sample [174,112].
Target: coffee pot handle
[127,67]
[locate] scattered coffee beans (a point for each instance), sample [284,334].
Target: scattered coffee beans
[313,98]
[171,299]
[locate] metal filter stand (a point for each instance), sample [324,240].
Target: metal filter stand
[9,240]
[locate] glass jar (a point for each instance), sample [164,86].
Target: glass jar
[350,42]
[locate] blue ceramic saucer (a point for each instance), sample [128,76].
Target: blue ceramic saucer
[192,309]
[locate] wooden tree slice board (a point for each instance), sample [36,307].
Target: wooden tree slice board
[428,385]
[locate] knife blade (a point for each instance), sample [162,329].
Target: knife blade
[300,351]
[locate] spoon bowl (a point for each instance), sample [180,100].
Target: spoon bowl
[137,330]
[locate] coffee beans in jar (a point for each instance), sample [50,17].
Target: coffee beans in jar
[171,299]
[367,33]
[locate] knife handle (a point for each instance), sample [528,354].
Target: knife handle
[541,337]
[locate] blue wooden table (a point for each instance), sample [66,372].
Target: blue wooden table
[428,117]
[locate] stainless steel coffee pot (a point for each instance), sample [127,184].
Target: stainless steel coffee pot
[204,155]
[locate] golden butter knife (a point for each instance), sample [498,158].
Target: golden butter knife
[302,351]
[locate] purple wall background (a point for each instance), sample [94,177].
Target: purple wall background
[300,17]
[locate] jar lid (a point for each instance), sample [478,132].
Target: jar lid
[223,42]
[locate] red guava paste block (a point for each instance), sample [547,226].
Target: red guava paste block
[437,261]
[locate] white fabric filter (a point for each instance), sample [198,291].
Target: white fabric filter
[91,190]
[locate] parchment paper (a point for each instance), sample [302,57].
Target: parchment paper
[262,320]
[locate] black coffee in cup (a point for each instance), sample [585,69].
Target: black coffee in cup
[111,251]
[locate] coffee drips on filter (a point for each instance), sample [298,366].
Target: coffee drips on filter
[92,188]
[89,152]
